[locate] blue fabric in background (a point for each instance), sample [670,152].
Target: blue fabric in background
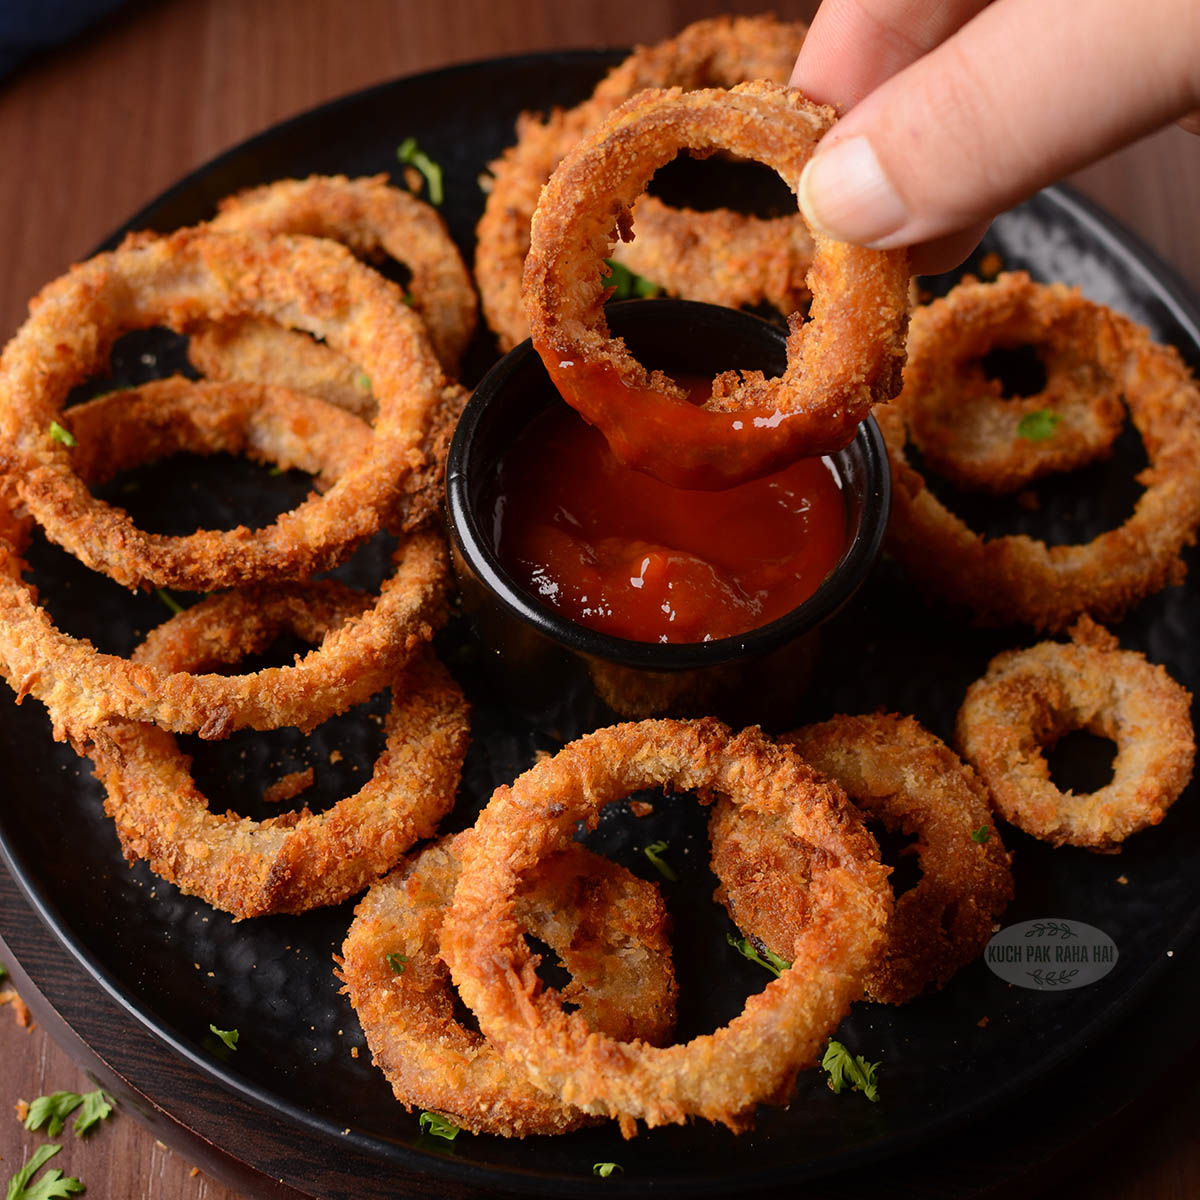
[27,26]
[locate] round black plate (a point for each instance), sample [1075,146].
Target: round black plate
[177,966]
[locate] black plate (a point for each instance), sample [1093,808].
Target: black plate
[177,966]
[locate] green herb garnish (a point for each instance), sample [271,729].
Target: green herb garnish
[604,1170]
[51,1185]
[396,962]
[980,835]
[409,153]
[654,853]
[627,285]
[1039,425]
[362,381]
[438,1126]
[97,1107]
[228,1036]
[168,600]
[767,958]
[849,1070]
[60,433]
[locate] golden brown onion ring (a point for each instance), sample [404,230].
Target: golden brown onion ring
[966,428]
[373,219]
[296,861]
[847,357]
[1017,578]
[608,927]
[1030,698]
[771,262]
[756,1057]
[308,283]
[903,776]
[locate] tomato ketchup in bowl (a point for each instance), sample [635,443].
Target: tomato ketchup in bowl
[665,600]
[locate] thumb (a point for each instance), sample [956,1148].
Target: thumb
[1021,95]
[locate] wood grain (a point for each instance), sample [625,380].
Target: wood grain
[92,131]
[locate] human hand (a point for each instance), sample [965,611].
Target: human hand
[958,109]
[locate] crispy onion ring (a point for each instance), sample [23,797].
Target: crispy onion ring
[771,261]
[296,861]
[847,357]
[607,926]
[372,218]
[304,282]
[1028,699]
[1017,578]
[965,427]
[908,779]
[756,1057]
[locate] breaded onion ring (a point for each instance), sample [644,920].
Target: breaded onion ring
[373,219]
[296,861]
[752,261]
[847,357]
[755,1057]
[913,783]
[1017,578]
[308,283]
[607,926]
[967,429]
[1030,698]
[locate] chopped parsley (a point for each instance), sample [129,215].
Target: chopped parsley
[168,600]
[654,853]
[362,380]
[52,1111]
[767,958]
[849,1070]
[604,1170]
[438,1126]
[60,433]
[980,835]
[51,1185]
[396,962]
[1039,425]
[97,1107]
[627,285]
[228,1036]
[409,153]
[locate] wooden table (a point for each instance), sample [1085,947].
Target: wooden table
[90,132]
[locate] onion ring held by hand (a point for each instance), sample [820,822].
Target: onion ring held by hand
[844,359]
[1030,698]
[686,253]
[913,783]
[966,428]
[305,282]
[607,926]
[295,861]
[1017,578]
[372,218]
[756,1057]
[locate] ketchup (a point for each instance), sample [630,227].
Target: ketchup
[621,552]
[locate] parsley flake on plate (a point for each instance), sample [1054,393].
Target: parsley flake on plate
[60,433]
[1038,426]
[228,1036]
[654,852]
[767,958]
[850,1070]
[438,1126]
[411,154]
[51,1186]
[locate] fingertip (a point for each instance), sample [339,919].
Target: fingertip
[845,194]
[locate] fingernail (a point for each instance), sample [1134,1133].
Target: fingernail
[844,194]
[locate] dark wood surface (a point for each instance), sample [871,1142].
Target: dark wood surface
[92,131]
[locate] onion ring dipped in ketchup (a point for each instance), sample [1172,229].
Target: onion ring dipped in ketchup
[844,359]
[620,552]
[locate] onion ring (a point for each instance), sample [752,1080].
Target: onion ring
[1016,578]
[296,861]
[1029,698]
[966,428]
[908,779]
[306,282]
[756,1057]
[608,927]
[372,218]
[847,357]
[718,52]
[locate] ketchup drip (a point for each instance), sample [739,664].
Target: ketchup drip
[621,552]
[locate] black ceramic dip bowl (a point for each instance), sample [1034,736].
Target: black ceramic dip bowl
[540,654]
